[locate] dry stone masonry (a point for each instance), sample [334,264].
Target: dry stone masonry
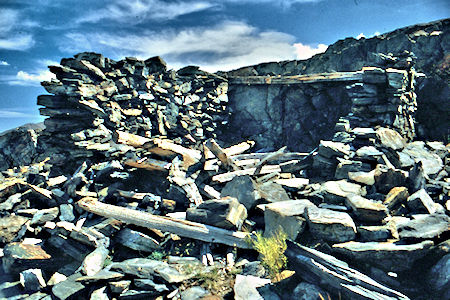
[144,188]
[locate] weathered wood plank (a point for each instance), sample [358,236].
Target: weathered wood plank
[297,79]
[183,228]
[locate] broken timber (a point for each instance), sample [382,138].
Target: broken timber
[297,79]
[183,228]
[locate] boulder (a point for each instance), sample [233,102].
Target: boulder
[287,216]
[374,233]
[335,192]
[384,255]
[226,213]
[424,227]
[420,201]
[387,178]
[32,280]
[136,240]
[244,189]
[396,196]
[391,139]
[365,209]
[330,225]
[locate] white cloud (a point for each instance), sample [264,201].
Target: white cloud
[36,77]
[136,11]
[307,51]
[24,78]
[4,63]
[360,36]
[223,47]
[283,3]
[12,35]
[23,42]
[14,114]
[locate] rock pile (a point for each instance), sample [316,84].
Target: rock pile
[141,199]
[95,97]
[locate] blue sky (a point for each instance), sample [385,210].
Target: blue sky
[217,35]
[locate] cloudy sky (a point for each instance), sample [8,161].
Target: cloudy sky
[215,34]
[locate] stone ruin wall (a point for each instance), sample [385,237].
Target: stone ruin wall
[95,99]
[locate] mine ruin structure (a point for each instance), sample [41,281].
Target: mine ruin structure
[96,102]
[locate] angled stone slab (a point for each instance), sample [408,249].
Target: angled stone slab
[148,268]
[424,227]
[287,216]
[330,225]
[367,210]
[420,201]
[386,255]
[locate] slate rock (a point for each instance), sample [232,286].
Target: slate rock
[254,268]
[367,178]
[331,149]
[369,153]
[135,294]
[391,139]
[68,288]
[193,293]
[244,189]
[148,268]
[385,256]
[10,225]
[346,166]
[56,278]
[335,192]
[66,212]
[32,280]
[18,257]
[424,227]
[246,287]
[150,285]
[102,275]
[439,278]
[136,240]
[365,209]
[272,192]
[287,216]
[45,215]
[118,287]
[226,213]
[330,225]
[396,196]
[374,233]
[94,261]
[387,178]
[307,291]
[99,294]
[420,201]
[431,162]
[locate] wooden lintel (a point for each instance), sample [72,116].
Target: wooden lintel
[297,79]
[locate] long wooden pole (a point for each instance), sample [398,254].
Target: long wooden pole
[183,228]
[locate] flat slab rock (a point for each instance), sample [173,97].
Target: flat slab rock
[226,213]
[424,227]
[386,256]
[330,225]
[287,216]
[365,209]
[336,192]
[148,268]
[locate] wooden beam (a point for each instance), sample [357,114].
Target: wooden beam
[297,79]
[183,228]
